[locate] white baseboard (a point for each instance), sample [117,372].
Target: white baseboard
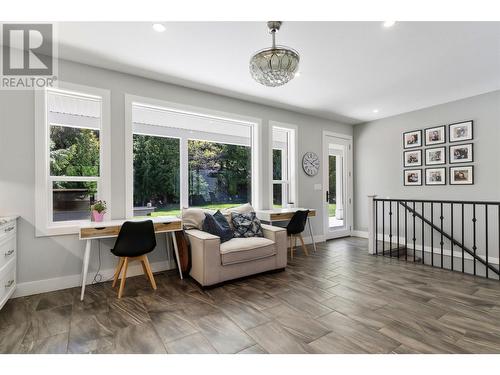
[71,281]
[359,233]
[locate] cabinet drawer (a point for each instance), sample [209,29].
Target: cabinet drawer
[7,282]
[7,230]
[7,250]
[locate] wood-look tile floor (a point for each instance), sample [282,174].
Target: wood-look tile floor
[338,300]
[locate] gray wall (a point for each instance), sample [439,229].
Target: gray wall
[378,154]
[58,256]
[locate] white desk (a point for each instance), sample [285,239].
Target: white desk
[109,229]
[285,214]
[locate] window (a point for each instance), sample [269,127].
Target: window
[156,175]
[219,174]
[283,166]
[183,158]
[71,157]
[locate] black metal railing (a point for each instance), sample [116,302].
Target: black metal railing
[460,236]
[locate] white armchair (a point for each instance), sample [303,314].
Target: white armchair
[213,262]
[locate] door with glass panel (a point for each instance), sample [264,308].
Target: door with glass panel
[283,167]
[337,186]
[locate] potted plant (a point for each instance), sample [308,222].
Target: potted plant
[98,209]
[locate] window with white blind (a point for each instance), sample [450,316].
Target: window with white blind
[72,156]
[179,156]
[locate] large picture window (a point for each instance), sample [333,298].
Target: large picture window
[186,159]
[219,174]
[70,157]
[156,175]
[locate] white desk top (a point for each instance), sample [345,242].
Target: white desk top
[284,210]
[113,223]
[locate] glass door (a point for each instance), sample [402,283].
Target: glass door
[337,186]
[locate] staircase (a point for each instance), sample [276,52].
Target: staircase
[460,236]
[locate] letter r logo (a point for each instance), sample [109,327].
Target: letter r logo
[27,49]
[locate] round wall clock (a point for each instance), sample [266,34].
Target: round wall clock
[310,163]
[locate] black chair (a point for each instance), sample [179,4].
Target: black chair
[135,240]
[294,229]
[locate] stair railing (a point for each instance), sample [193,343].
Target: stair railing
[460,236]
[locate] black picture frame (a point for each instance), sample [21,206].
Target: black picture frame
[434,148]
[438,184]
[450,158]
[412,165]
[409,170]
[470,138]
[462,167]
[405,147]
[443,128]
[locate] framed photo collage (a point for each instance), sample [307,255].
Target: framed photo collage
[437,154]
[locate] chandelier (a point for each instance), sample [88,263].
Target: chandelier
[274,66]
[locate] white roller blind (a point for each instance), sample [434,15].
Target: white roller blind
[69,109]
[143,116]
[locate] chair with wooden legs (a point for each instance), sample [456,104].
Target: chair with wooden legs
[134,241]
[295,228]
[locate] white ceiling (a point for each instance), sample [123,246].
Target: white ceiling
[348,69]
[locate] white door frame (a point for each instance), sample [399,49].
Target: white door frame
[348,206]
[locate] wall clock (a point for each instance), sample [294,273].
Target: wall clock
[310,163]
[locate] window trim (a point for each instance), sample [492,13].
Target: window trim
[44,226]
[256,139]
[292,178]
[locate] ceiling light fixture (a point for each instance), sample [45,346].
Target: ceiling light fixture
[389,23]
[158,27]
[375,111]
[274,66]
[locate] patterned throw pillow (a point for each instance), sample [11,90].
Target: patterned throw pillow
[246,225]
[212,224]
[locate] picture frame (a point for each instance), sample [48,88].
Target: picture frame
[461,153]
[412,177]
[435,155]
[412,139]
[463,175]
[461,131]
[435,135]
[435,176]
[412,158]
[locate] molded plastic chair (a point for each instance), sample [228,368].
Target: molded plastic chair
[135,240]
[294,229]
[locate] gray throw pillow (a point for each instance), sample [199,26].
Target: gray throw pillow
[213,225]
[246,225]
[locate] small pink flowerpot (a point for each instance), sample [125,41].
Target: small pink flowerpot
[98,217]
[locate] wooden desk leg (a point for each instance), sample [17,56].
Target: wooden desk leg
[85,267]
[176,251]
[311,232]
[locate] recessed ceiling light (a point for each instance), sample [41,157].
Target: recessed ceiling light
[158,27]
[389,23]
[375,111]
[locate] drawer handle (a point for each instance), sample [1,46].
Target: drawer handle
[8,229]
[9,283]
[10,252]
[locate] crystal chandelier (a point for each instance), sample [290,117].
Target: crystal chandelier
[274,66]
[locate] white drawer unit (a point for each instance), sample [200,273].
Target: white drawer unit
[8,257]
[7,282]
[7,250]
